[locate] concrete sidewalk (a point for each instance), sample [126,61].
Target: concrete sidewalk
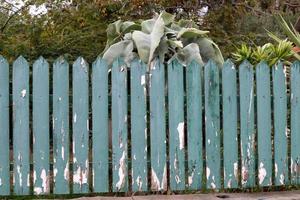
[289,195]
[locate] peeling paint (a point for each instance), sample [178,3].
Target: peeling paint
[20,175]
[235,170]
[45,181]
[180,129]
[276,170]
[0,182]
[122,172]
[207,173]
[190,179]
[28,180]
[66,172]
[63,153]
[262,173]
[55,172]
[229,183]
[139,182]
[75,118]
[34,177]
[87,125]
[245,175]
[281,179]
[156,185]
[23,93]
[37,190]
[213,185]
[143,80]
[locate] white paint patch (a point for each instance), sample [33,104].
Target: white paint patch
[87,125]
[155,182]
[190,179]
[177,179]
[28,180]
[244,175]
[55,172]
[180,129]
[122,172]
[213,185]
[208,141]
[207,173]
[66,172]
[20,175]
[139,182]
[281,180]
[229,183]
[23,93]
[143,80]
[235,170]
[75,118]
[34,177]
[38,190]
[262,173]
[0,182]
[63,153]
[44,180]
[276,169]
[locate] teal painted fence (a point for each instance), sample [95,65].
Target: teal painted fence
[76,128]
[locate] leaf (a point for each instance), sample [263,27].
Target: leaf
[210,50]
[189,53]
[175,43]
[142,42]
[129,26]
[121,49]
[147,25]
[190,33]
[167,18]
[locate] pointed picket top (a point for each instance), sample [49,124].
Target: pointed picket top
[3,61]
[212,65]
[41,61]
[119,62]
[262,63]
[245,63]
[194,62]
[99,61]
[61,61]
[20,61]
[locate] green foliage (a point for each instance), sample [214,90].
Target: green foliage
[269,53]
[160,36]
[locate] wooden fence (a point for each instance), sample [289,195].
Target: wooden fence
[84,129]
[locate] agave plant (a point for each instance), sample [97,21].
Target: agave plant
[269,52]
[161,37]
[290,31]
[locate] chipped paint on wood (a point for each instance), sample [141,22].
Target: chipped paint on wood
[230,144]
[61,128]
[246,77]
[176,125]
[212,128]
[295,125]
[264,123]
[80,126]
[194,124]
[157,126]
[41,126]
[21,125]
[138,126]
[4,127]
[280,125]
[119,126]
[100,125]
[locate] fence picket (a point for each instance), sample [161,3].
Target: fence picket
[100,126]
[119,126]
[229,94]
[157,127]
[176,126]
[80,126]
[138,126]
[4,127]
[264,142]
[295,125]
[21,126]
[40,114]
[212,126]
[61,126]
[247,132]
[194,125]
[280,125]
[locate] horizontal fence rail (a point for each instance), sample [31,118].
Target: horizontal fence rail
[131,127]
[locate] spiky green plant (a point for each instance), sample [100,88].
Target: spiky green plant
[161,37]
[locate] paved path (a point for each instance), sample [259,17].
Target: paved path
[290,195]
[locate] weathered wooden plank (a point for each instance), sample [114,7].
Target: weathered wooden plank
[80,126]
[264,124]
[40,114]
[280,125]
[247,132]
[194,125]
[295,125]
[100,126]
[176,126]
[230,144]
[21,126]
[4,127]
[119,126]
[61,126]
[138,126]
[212,126]
[157,127]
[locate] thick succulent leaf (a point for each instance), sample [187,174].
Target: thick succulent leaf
[190,33]
[210,50]
[142,42]
[129,26]
[147,25]
[162,49]
[113,30]
[121,49]
[167,17]
[175,43]
[189,53]
[187,24]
